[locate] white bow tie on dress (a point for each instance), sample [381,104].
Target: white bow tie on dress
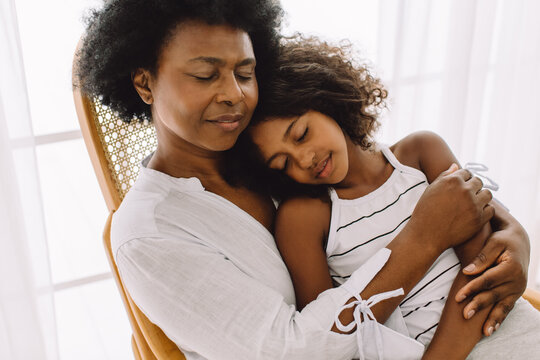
[363,309]
[375,340]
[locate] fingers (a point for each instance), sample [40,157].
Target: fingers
[476,184]
[499,311]
[453,168]
[483,283]
[488,212]
[486,299]
[485,195]
[463,173]
[485,258]
[498,314]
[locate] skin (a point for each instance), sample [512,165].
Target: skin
[202,75]
[297,146]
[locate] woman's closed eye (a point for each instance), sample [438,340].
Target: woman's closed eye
[244,76]
[204,77]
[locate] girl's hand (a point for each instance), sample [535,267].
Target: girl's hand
[503,264]
[452,209]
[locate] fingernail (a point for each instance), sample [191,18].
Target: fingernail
[497,326]
[470,314]
[460,298]
[469,268]
[490,330]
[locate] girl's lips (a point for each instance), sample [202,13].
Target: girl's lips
[326,168]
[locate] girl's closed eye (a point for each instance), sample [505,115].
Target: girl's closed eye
[303,136]
[285,165]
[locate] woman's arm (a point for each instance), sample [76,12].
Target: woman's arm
[501,266]
[434,155]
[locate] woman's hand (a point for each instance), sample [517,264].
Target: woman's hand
[503,264]
[452,209]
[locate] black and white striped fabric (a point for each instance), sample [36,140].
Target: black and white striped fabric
[360,227]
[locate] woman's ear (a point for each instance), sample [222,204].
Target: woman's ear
[141,79]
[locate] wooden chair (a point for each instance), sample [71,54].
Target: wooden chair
[533,296]
[116,150]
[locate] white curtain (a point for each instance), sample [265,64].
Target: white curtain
[470,71]
[27,323]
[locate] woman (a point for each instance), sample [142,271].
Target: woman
[196,253]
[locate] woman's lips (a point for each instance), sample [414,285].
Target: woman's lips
[324,168]
[227,122]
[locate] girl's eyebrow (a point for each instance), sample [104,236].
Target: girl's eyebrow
[288,131]
[285,136]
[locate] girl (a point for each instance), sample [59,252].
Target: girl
[313,128]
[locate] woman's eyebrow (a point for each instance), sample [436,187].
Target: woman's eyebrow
[208,59]
[248,61]
[221,62]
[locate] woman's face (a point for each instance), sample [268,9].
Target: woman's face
[311,149]
[204,91]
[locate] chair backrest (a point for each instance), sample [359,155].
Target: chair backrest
[116,150]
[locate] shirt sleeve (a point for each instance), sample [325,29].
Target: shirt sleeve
[208,306]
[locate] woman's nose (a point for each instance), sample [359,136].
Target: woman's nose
[230,91]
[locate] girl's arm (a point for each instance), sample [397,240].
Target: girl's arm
[302,224]
[455,336]
[301,227]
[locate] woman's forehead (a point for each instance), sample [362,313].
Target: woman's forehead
[194,40]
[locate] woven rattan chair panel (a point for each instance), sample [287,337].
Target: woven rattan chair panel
[124,144]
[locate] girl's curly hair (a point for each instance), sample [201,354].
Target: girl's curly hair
[125,35]
[309,74]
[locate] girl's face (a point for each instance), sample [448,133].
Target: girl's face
[204,90]
[311,149]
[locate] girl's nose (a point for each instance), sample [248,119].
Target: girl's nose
[306,159]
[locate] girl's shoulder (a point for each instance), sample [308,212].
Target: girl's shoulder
[425,151]
[303,216]
[305,207]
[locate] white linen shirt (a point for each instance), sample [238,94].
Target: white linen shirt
[210,276]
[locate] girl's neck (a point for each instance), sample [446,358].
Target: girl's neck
[368,170]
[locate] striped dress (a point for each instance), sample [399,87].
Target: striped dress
[360,227]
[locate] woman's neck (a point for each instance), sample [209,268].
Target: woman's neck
[177,157]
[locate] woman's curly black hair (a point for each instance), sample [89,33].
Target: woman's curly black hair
[125,35]
[311,74]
